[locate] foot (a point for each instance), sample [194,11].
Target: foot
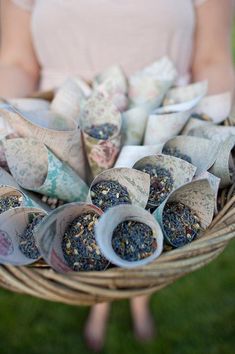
[95,328]
[144,327]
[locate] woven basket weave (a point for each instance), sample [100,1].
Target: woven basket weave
[88,288]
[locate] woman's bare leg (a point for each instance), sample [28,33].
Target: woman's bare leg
[142,318]
[95,327]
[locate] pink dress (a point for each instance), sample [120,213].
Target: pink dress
[84,37]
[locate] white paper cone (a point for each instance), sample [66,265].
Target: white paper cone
[130,154]
[213,132]
[134,124]
[193,123]
[111,219]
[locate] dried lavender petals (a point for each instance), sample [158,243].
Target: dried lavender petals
[161,183]
[106,194]
[133,241]
[181,224]
[102,131]
[27,244]
[79,246]
[176,153]
[10,202]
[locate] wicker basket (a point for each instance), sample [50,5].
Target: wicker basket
[88,288]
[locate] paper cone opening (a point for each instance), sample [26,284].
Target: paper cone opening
[111,219]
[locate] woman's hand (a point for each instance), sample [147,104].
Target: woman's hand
[212,59]
[19,69]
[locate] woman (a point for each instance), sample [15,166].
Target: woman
[44,42]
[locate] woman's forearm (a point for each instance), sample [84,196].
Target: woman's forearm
[220,76]
[15,81]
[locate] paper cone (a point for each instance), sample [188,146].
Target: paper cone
[198,196]
[217,107]
[137,183]
[68,100]
[214,183]
[134,125]
[213,132]
[66,145]
[112,83]
[161,128]
[202,152]
[11,191]
[162,69]
[181,171]
[29,104]
[130,154]
[12,224]
[221,166]
[35,168]
[51,232]
[193,123]
[101,154]
[111,219]
[178,107]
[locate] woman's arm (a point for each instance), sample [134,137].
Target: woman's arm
[19,69]
[212,53]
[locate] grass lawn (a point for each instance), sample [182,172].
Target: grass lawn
[196,315]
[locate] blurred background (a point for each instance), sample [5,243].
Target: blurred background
[194,315]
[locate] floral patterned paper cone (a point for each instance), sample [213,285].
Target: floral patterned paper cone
[180,170]
[66,145]
[198,196]
[214,183]
[221,167]
[161,128]
[134,125]
[130,154]
[101,154]
[137,183]
[218,107]
[35,168]
[111,219]
[201,152]
[69,100]
[52,229]
[213,132]
[13,223]
[112,83]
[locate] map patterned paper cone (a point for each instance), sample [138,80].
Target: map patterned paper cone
[181,171]
[202,152]
[130,154]
[51,231]
[35,168]
[68,100]
[111,219]
[13,224]
[213,132]
[193,123]
[214,183]
[163,127]
[136,182]
[198,196]
[101,154]
[217,107]
[221,166]
[66,145]
[112,83]
[134,125]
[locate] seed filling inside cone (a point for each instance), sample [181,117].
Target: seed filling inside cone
[106,194]
[133,240]
[79,245]
[161,183]
[27,244]
[10,202]
[181,224]
[102,131]
[176,153]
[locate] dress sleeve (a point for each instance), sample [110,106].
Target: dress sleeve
[199,2]
[24,4]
